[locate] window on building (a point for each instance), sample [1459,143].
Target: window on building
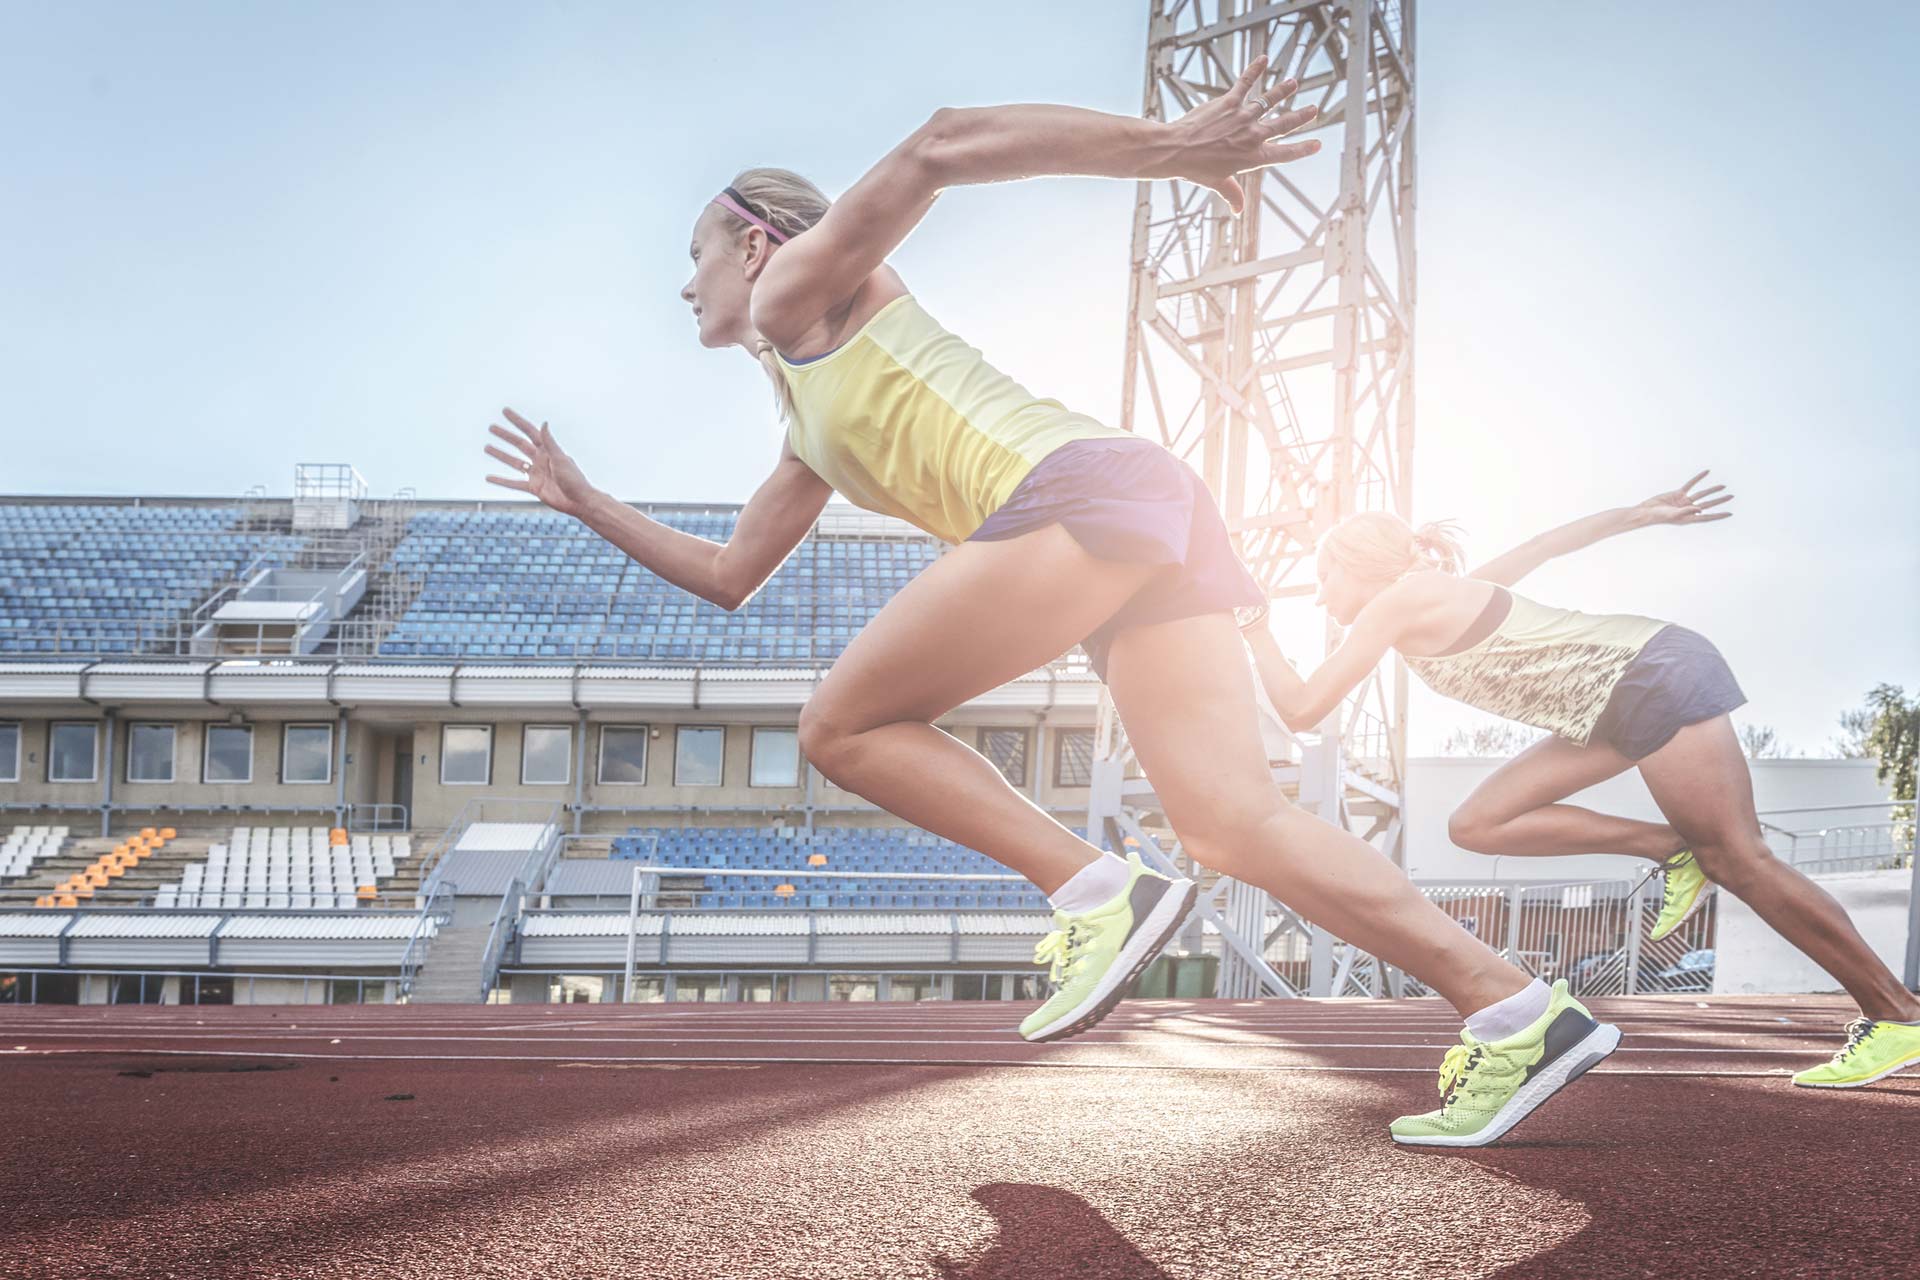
[546,755]
[229,754]
[466,754]
[150,753]
[1073,757]
[697,756]
[306,753]
[1007,749]
[776,758]
[9,753]
[623,754]
[72,752]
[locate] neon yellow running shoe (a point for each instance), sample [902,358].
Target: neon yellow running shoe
[1874,1051]
[1686,887]
[1488,1087]
[1094,954]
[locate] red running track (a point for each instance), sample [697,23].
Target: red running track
[1179,1139]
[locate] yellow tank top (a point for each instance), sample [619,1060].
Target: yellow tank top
[906,419]
[1551,668]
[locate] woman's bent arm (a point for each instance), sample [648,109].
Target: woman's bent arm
[770,526]
[957,146]
[1304,703]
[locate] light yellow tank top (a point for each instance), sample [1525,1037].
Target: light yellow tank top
[906,419]
[1551,668]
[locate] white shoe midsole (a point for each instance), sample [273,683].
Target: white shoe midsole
[1171,905]
[1597,1044]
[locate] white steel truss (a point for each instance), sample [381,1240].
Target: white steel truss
[1274,351]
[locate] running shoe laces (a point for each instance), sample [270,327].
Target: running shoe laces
[1465,1066]
[1858,1032]
[1061,951]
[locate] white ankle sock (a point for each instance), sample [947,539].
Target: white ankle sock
[1511,1016]
[1093,885]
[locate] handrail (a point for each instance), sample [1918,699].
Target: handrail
[514,897]
[378,822]
[418,943]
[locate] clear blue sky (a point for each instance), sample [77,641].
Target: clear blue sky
[242,236]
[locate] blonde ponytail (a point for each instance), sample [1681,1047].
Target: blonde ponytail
[1381,547]
[791,203]
[1437,546]
[782,393]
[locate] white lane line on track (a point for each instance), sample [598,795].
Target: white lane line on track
[114,1040]
[1028,1064]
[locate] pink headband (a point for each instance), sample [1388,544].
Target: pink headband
[730,200]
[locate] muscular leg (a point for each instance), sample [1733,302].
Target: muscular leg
[1515,811]
[1186,696]
[975,619]
[1701,783]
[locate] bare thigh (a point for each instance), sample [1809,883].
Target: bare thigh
[1550,770]
[1703,785]
[976,618]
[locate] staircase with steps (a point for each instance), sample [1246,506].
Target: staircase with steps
[452,972]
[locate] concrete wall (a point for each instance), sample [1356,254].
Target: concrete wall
[436,803]
[189,747]
[1436,786]
[1752,959]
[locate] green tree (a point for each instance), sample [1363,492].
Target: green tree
[1895,742]
[1761,742]
[1854,741]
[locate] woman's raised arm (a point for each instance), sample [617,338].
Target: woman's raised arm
[1676,506]
[770,526]
[959,146]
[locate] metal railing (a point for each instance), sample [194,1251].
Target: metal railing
[486,809]
[1875,836]
[505,920]
[847,983]
[437,907]
[372,818]
[533,875]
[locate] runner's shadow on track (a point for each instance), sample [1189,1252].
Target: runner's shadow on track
[1046,1233]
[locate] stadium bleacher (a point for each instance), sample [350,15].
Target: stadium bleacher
[83,578]
[26,845]
[794,862]
[288,868]
[532,586]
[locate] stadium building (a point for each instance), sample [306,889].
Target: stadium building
[334,748]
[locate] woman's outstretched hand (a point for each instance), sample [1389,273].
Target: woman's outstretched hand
[1685,505]
[1236,132]
[540,466]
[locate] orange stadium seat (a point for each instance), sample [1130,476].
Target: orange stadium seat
[167,833]
[148,833]
[816,859]
[69,900]
[367,892]
[337,836]
[44,900]
[784,890]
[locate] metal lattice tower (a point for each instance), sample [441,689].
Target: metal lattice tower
[1274,351]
